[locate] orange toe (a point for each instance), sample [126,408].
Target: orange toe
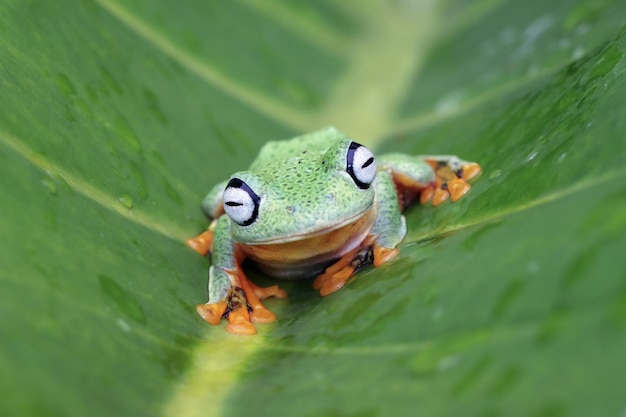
[457,188]
[239,322]
[384,255]
[470,171]
[243,328]
[202,242]
[212,313]
[273,291]
[426,195]
[440,196]
[320,280]
[262,315]
[331,286]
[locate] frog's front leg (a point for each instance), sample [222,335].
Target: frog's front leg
[212,207]
[429,177]
[378,247]
[231,294]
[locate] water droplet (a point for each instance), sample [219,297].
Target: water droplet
[424,364]
[564,43]
[507,35]
[533,266]
[561,157]
[538,27]
[126,200]
[50,185]
[127,134]
[581,30]
[448,103]
[437,313]
[123,325]
[448,363]
[531,156]
[578,52]
[495,174]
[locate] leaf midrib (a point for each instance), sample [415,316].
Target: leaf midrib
[169,230]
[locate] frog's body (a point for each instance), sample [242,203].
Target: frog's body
[314,205]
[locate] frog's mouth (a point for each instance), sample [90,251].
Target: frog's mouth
[357,224]
[307,254]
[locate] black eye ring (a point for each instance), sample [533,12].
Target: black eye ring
[361,165]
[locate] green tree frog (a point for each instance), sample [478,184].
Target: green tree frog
[318,205]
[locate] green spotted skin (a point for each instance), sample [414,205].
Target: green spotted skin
[303,186]
[222,259]
[390,225]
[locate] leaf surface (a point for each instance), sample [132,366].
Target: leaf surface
[117,117]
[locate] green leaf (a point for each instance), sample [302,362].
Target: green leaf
[117,117]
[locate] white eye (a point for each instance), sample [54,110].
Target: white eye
[240,202]
[361,165]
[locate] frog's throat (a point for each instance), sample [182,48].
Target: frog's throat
[312,253]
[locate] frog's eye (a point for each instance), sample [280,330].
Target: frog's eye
[361,165]
[240,202]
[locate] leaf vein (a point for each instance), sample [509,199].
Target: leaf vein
[94,194]
[264,105]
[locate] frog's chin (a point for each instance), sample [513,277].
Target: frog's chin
[319,231]
[310,253]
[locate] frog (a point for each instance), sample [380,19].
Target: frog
[318,205]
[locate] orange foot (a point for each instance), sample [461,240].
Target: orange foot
[202,242]
[242,306]
[450,182]
[336,275]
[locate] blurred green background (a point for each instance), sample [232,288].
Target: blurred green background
[118,116]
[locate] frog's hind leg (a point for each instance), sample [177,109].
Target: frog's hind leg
[254,295]
[336,275]
[429,178]
[378,248]
[451,176]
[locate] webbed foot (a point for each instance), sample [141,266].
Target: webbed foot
[242,306]
[336,275]
[451,176]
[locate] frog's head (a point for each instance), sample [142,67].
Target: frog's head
[301,196]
